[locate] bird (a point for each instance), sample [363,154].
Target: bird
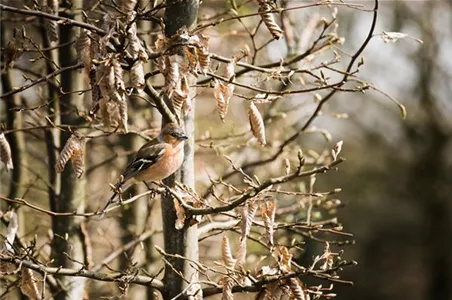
[155,160]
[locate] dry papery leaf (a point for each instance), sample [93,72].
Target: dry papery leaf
[28,285]
[83,49]
[226,252]
[137,50]
[275,291]
[296,288]
[269,20]
[5,152]
[284,259]
[227,283]
[74,150]
[248,213]
[180,213]
[128,5]
[222,94]
[95,92]
[268,210]
[257,124]
[137,76]
[203,59]
[51,26]
[11,231]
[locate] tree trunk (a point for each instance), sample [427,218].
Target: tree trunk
[67,247]
[185,241]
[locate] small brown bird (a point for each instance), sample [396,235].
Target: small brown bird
[155,160]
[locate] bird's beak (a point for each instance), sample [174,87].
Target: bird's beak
[183,137]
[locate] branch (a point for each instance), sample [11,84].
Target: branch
[256,190]
[43,78]
[113,277]
[62,20]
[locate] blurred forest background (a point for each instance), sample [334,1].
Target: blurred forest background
[397,180]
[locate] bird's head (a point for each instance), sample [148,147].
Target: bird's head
[173,134]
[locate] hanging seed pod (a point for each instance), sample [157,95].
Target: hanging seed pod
[269,20]
[5,152]
[257,124]
[74,150]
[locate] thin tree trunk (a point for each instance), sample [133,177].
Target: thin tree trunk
[67,248]
[185,241]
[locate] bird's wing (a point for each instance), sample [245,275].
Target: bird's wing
[148,155]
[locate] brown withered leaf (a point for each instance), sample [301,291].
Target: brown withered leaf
[180,213]
[5,152]
[227,283]
[257,124]
[51,26]
[74,150]
[28,285]
[11,230]
[295,286]
[226,252]
[222,95]
[83,49]
[203,59]
[248,213]
[269,20]
[284,259]
[137,76]
[128,5]
[268,210]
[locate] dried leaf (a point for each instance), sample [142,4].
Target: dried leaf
[229,70]
[228,283]
[12,52]
[229,261]
[123,115]
[128,5]
[257,124]
[203,59]
[296,289]
[277,291]
[269,20]
[5,152]
[137,76]
[284,259]
[268,210]
[74,150]
[137,50]
[28,285]
[83,49]
[222,96]
[241,255]
[180,213]
[95,91]
[172,73]
[11,231]
[51,26]
[248,213]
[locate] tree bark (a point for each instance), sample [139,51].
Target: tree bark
[185,241]
[67,247]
